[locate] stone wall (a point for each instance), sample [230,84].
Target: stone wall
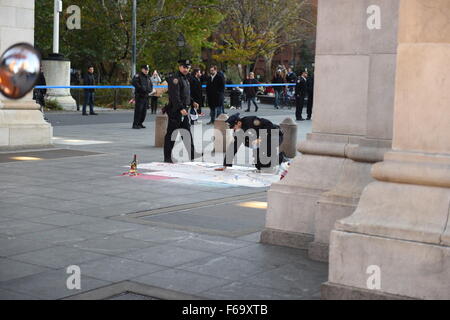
[352,125]
[16,22]
[397,241]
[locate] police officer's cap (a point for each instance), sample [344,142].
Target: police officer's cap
[233,120]
[184,62]
[145,66]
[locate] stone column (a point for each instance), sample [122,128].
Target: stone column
[342,199]
[57,73]
[21,122]
[352,125]
[397,242]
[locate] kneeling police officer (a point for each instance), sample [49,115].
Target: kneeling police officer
[256,133]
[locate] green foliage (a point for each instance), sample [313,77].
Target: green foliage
[105,36]
[233,74]
[52,104]
[258,28]
[106,98]
[237,31]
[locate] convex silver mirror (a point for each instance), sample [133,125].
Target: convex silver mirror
[20,65]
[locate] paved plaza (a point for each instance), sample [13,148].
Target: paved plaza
[136,238]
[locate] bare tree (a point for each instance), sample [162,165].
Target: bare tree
[259,28]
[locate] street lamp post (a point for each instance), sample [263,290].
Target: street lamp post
[181,42]
[57,9]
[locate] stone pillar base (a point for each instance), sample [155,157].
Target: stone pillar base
[401,226]
[332,291]
[293,201]
[23,129]
[57,73]
[318,251]
[286,238]
[64,101]
[338,203]
[407,268]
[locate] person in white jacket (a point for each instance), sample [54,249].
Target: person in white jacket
[156,80]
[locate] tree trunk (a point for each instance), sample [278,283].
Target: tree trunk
[241,72]
[269,67]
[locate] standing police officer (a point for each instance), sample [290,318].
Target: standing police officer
[300,94]
[177,110]
[143,88]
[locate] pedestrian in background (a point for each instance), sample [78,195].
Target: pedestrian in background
[89,94]
[143,88]
[204,80]
[300,94]
[250,92]
[291,77]
[310,92]
[278,79]
[75,80]
[39,94]
[156,80]
[215,91]
[196,94]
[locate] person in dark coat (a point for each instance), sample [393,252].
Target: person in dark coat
[277,79]
[215,92]
[143,88]
[178,111]
[310,92]
[300,94]
[291,77]
[39,94]
[250,92]
[75,80]
[256,133]
[204,80]
[196,91]
[89,94]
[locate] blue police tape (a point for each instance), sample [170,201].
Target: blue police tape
[131,87]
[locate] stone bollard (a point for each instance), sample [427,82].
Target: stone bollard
[220,133]
[57,73]
[160,129]
[289,145]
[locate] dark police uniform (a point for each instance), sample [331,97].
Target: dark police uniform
[196,91]
[262,130]
[39,94]
[143,87]
[179,99]
[310,91]
[300,94]
[89,80]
